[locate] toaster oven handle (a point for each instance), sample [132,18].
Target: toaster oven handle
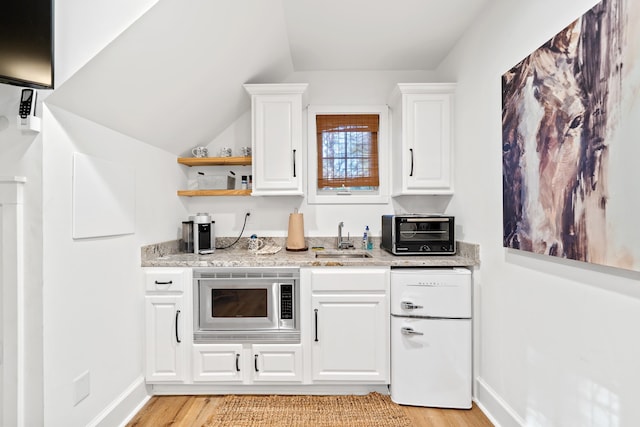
[177,336]
[411,151]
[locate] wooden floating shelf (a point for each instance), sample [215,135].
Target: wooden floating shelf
[215,161]
[192,193]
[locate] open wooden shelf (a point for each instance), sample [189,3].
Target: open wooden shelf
[192,193]
[215,161]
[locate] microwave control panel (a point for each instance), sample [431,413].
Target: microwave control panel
[286,301]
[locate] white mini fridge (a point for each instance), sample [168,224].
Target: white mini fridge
[431,337]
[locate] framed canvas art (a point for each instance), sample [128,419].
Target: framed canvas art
[571,141]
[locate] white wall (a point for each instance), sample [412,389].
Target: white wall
[557,339]
[270,215]
[21,155]
[93,298]
[82,29]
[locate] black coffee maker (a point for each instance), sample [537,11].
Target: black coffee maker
[198,234]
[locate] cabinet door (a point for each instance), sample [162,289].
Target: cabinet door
[277,362]
[427,164]
[350,338]
[277,139]
[165,352]
[422,138]
[218,362]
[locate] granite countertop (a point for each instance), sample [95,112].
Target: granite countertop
[167,254]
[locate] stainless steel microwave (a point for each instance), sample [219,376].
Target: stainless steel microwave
[418,234]
[257,305]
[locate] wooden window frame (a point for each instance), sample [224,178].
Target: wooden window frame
[349,195]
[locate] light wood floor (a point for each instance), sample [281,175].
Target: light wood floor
[193,411]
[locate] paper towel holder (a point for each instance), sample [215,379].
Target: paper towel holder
[295,235]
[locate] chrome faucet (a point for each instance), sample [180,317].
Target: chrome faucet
[343,244]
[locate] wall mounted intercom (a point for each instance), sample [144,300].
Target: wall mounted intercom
[27,119]
[28,103]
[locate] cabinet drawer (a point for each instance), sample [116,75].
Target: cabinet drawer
[169,280]
[350,279]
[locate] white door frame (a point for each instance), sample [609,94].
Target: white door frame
[12,300]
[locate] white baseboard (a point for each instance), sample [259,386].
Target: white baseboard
[495,407]
[124,407]
[311,389]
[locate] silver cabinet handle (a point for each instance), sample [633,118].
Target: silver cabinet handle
[406,305]
[409,331]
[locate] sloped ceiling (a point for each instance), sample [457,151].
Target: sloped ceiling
[375,35]
[174,78]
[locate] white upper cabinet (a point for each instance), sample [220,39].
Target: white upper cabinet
[276,133]
[422,138]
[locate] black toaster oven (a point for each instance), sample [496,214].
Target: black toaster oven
[418,234]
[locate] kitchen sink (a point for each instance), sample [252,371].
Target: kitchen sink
[343,254]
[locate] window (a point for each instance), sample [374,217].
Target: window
[347,151]
[345,146]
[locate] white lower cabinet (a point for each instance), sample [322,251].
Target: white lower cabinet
[277,362]
[351,340]
[344,326]
[165,349]
[350,324]
[218,362]
[246,363]
[168,324]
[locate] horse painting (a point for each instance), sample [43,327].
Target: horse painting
[567,108]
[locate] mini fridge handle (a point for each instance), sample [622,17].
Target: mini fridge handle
[409,331]
[406,305]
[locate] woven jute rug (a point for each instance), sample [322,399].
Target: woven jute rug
[372,410]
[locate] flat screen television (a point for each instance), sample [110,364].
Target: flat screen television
[26,43]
